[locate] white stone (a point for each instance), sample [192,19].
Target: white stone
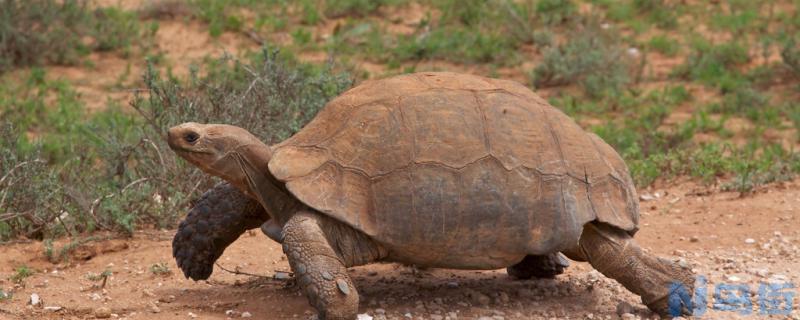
[35,299]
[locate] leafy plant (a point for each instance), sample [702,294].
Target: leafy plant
[160,269]
[21,273]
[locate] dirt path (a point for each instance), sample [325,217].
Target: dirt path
[708,230]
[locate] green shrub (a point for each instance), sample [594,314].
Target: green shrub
[592,58]
[664,45]
[555,11]
[357,8]
[715,65]
[790,54]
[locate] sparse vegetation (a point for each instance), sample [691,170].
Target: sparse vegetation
[160,269]
[110,170]
[592,58]
[72,31]
[21,273]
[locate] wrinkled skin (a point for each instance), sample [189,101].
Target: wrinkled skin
[320,248]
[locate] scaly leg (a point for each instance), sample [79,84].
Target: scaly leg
[221,215]
[309,240]
[614,253]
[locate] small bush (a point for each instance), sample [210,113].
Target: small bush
[715,65]
[591,58]
[21,273]
[160,269]
[664,45]
[357,8]
[790,55]
[555,11]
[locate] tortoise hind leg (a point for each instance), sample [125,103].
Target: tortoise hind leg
[319,250]
[614,253]
[544,266]
[221,215]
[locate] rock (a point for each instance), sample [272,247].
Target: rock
[646,197]
[250,315]
[436,317]
[502,297]
[624,307]
[35,300]
[525,293]
[167,299]
[485,318]
[52,308]
[749,241]
[479,298]
[102,313]
[280,275]
[191,315]
[694,239]
[154,308]
[452,284]
[148,293]
[380,311]
[627,316]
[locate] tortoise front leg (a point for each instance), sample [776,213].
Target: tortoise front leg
[544,266]
[309,240]
[221,215]
[614,253]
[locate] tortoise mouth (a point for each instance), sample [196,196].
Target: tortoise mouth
[180,149]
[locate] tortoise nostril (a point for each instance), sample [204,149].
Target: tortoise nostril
[191,137]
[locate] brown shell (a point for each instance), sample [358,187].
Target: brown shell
[426,161]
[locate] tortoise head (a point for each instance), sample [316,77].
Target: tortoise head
[222,150]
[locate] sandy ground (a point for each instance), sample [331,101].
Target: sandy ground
[724,237]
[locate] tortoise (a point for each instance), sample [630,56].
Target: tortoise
[433,169]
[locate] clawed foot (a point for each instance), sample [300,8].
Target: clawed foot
[546,266]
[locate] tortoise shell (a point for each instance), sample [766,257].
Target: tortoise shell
[455,170]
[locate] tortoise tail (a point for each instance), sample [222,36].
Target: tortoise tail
[221,215]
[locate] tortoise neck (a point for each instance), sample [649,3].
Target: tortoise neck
[259,183]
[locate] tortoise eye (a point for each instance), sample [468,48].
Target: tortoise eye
[191,137]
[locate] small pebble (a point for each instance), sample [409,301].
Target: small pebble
[627,316]
[749,241]
[102,313]
[247,314]
[35,299]
[624,307]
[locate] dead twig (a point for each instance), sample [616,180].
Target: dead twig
[237,272]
